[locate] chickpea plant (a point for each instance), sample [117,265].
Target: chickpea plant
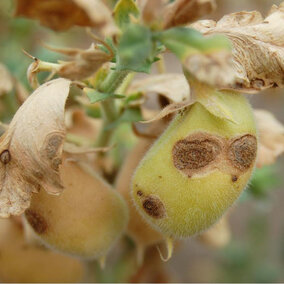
[75,189]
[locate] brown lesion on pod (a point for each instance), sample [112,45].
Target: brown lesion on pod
[154,207]
[196,152]
[242,152]
[5,157]
[37,221]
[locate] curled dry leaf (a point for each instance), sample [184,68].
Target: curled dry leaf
[258,46]
[63,14]
[6,80]
[182,12]
[271,137]
[84,63]
[152,12]
[171,108]
[30,149]
[172,86]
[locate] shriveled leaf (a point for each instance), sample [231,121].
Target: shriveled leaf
[271,137]
[182,12]
[152,12]
[84,63]
[172,86]
[6,80]
[31,148]
[123,10]
[171,108]
[258,47]
[209,59]
[96,96]
[63,14]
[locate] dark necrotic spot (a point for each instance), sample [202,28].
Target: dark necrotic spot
[37,221]
[5,157]
[195,153]
[242,152]
[139,193]
[154,207]
[53,145]
[234,178]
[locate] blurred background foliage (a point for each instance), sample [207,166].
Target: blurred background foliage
[256,251]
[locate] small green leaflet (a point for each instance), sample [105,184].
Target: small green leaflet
[96,96]
[135,50]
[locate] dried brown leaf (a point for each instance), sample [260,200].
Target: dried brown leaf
[152,12]
[258,47]
[182,12]
[171,108]
[6,80]
[63,14]
[84,63]
[271,137]
[30,150]
[172,86]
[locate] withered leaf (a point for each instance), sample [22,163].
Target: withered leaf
[30,149]
[63,14]
[182,12]
[271,137]
[83,64]
[171,108]
[172,86]
[258,46]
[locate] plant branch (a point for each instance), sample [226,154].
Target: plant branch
[109,111]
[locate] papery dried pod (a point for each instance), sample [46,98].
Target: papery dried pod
[30,149]
[22,262]
[271,137]
[85,220]
[258,50]
[63,14]
[172,86]
[182,12]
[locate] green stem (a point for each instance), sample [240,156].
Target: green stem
[109,112]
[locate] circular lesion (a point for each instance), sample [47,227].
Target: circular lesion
[242,152]
[196,151]
[154,207]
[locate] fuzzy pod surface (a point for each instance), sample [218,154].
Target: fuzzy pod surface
[197,169]
[85,220]
[22,262]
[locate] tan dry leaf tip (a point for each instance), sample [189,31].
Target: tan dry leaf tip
[182,12]
[214,68]
[6,80]
[172,86]
[152,12]
[30,149]
[258,47]
[63,14]
[271,138]
[169,109]
[84,63]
